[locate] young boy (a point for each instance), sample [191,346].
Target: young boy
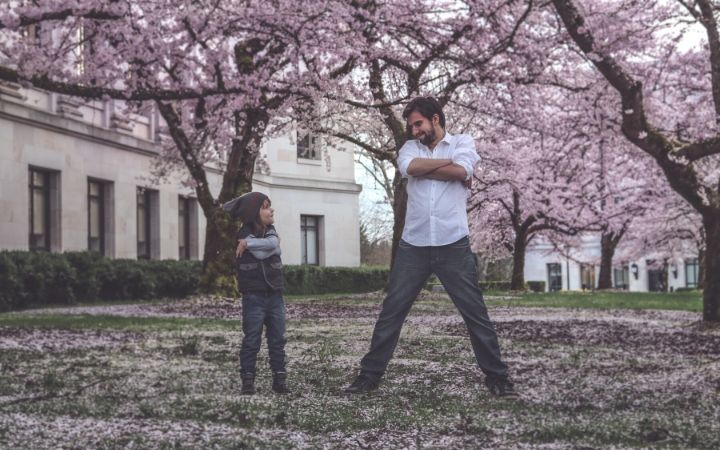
[260,280]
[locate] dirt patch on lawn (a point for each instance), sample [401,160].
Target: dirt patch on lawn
[639,337]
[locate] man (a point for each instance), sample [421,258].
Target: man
[439,168]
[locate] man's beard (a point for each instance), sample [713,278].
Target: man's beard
[428,138]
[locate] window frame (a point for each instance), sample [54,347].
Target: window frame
[695,263]
[102,208]
[45,190]
[184,241]
[625,270]
[312,152]
[145,194]
[551,275]
[304,227]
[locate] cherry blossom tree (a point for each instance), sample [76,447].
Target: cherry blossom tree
[218,71]
[552,172]
[685,146]
[455,51]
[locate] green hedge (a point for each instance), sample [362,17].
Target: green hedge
[536,286]
[308,280]
[495,285]
[29,279]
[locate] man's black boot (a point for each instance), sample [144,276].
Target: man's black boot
[248,383]
[501,387]
[362,385]
[279,385]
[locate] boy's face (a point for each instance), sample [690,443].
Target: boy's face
[267,214]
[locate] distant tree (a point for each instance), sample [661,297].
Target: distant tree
[675,116]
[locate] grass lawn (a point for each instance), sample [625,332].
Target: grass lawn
[682,301]
[165,375]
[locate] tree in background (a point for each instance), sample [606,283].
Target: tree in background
[457,52]
[674,116]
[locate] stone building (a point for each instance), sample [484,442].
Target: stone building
[76,176]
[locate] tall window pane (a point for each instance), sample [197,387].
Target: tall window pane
[554,276]
[183,228]
[622,277]
[39,221]
[96,214]
[309,239]
[691,272]
[587,277]
[143,223]
[307,146]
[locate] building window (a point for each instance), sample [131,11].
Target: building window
[622,277]
[691,272]
[308,146]
[183,228]
[143,223]
[554,271]
[309,239]
[32,33]
[148,224]
[39,210]
[587,277]
[657,276]
[96,216]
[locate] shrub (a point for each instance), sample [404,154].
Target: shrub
[536,286]
[495,285]
[44,278]
[88,267]
[175,278]
[307,280]
[9,283]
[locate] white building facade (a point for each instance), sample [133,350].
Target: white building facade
[76,176]
[650,274]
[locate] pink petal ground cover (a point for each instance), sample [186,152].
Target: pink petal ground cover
[587,379]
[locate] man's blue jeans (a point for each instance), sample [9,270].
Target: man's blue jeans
[456,267]
[260,309]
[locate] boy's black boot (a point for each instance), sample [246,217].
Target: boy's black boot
[279,385]
[248,383]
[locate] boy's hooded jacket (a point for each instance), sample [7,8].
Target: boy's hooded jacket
[253,274]
[258,275]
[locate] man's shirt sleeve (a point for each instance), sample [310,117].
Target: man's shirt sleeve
[407,153]
[465,155]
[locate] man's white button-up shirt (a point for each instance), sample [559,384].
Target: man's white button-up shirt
[436,210]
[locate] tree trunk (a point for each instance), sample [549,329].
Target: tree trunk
[218,276]
[711,269]
[608,244]
[517,283]
[399,209]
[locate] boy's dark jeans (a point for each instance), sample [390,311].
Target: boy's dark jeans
[456,267]
[260,309]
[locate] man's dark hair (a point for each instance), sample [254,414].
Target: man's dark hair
[427,107]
